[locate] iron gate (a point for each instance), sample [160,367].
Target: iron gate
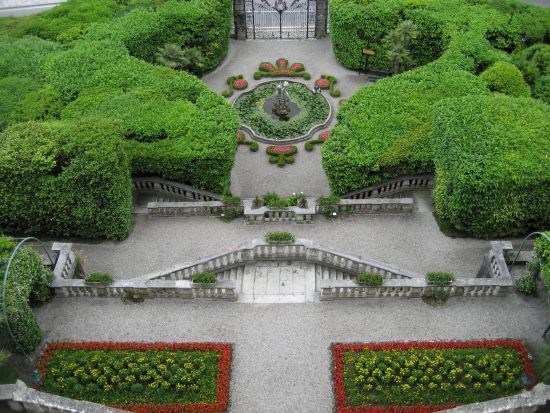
[280,19]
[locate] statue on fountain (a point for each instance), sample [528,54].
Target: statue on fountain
[281,107]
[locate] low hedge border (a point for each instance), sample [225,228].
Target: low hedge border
[241,140]
[281,155]
[323,137]
[235,83]
[338,350]
[327,82]
[223,379]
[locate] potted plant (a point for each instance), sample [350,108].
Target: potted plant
[440,279]
[279,237]
[98,278]
[204,278]
[370,279]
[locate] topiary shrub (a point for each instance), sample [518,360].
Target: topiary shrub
[27,284]
[65,179]
[506,78]
[491,154]
[383,130]
[279,237]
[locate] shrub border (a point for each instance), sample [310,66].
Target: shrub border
[338,349]
[223,380]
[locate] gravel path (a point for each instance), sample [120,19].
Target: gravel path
[252,174]
[411,241]
[281,351]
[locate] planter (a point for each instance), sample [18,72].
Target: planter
[280,242]
[203,285]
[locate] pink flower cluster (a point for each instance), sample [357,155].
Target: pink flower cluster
[322,83]
[324,136]
[240,84]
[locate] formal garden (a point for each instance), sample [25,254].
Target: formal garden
[416,131]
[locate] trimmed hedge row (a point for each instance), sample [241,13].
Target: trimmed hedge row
[383,130]
[491,156]
[28,284]
[66,179]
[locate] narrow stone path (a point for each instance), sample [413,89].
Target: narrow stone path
[281,357]
[252,174]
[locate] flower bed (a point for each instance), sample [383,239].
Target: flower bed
[281,155]
[235,83]
[241,140]
[323,137]
[426,376]
[140,377]
[266,69]
[327,82]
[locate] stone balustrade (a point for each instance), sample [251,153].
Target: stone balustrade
[173,188]
[494,279]
[265,214]
[185,209]
[65,265]
[393,187]
[300,250]
[221,290]
[288,214]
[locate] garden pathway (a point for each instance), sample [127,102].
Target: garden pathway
[281,357]
[252,174]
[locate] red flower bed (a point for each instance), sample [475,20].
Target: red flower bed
[338,351]
[322,83]
[324,136]
[282,63]
[240,84]
[278,150]
[223,379]
[267,67]
[297,67]
[240,136]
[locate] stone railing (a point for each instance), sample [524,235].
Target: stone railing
[265,214]
[370,206]
[184,209]
[288,214]
[173,188]
[65,265]
[221,290]
[19,398]
[300,250]
[393,187]
[496,281]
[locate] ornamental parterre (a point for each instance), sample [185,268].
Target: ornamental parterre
[141,377]
[427,376]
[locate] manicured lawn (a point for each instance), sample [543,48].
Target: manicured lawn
[141,377]
[426,376]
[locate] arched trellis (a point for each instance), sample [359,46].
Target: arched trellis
[6,274]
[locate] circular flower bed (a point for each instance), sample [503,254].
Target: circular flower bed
[324,136]
[240,84]
[314,111]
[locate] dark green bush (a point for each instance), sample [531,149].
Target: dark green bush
[506,78]
[65,179]
[542,251]
[271,198]
[41,104]
[541,89]
[99,278]
[204,278]
[370,279]
[28,283]
[24,57]
[542,364]
[383,130]
[254,146]
[491,156]
[527,284]
[279,236]
[440,279]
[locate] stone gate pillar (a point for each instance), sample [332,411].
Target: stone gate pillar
[239,16]
[321,19]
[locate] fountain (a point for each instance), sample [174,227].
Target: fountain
[282,108]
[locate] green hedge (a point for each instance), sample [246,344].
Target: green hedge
[28,284]
[12,91]
[534,63]
[383,130]
[506,78]
[24,57]
[65,179]
[491,157]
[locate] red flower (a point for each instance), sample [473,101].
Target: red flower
[324,136]
[282,149]
[338,368]
[224,369]
[240,136]
[322,83]
[267,66]
[296,67]
[282,63]
[240,84]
